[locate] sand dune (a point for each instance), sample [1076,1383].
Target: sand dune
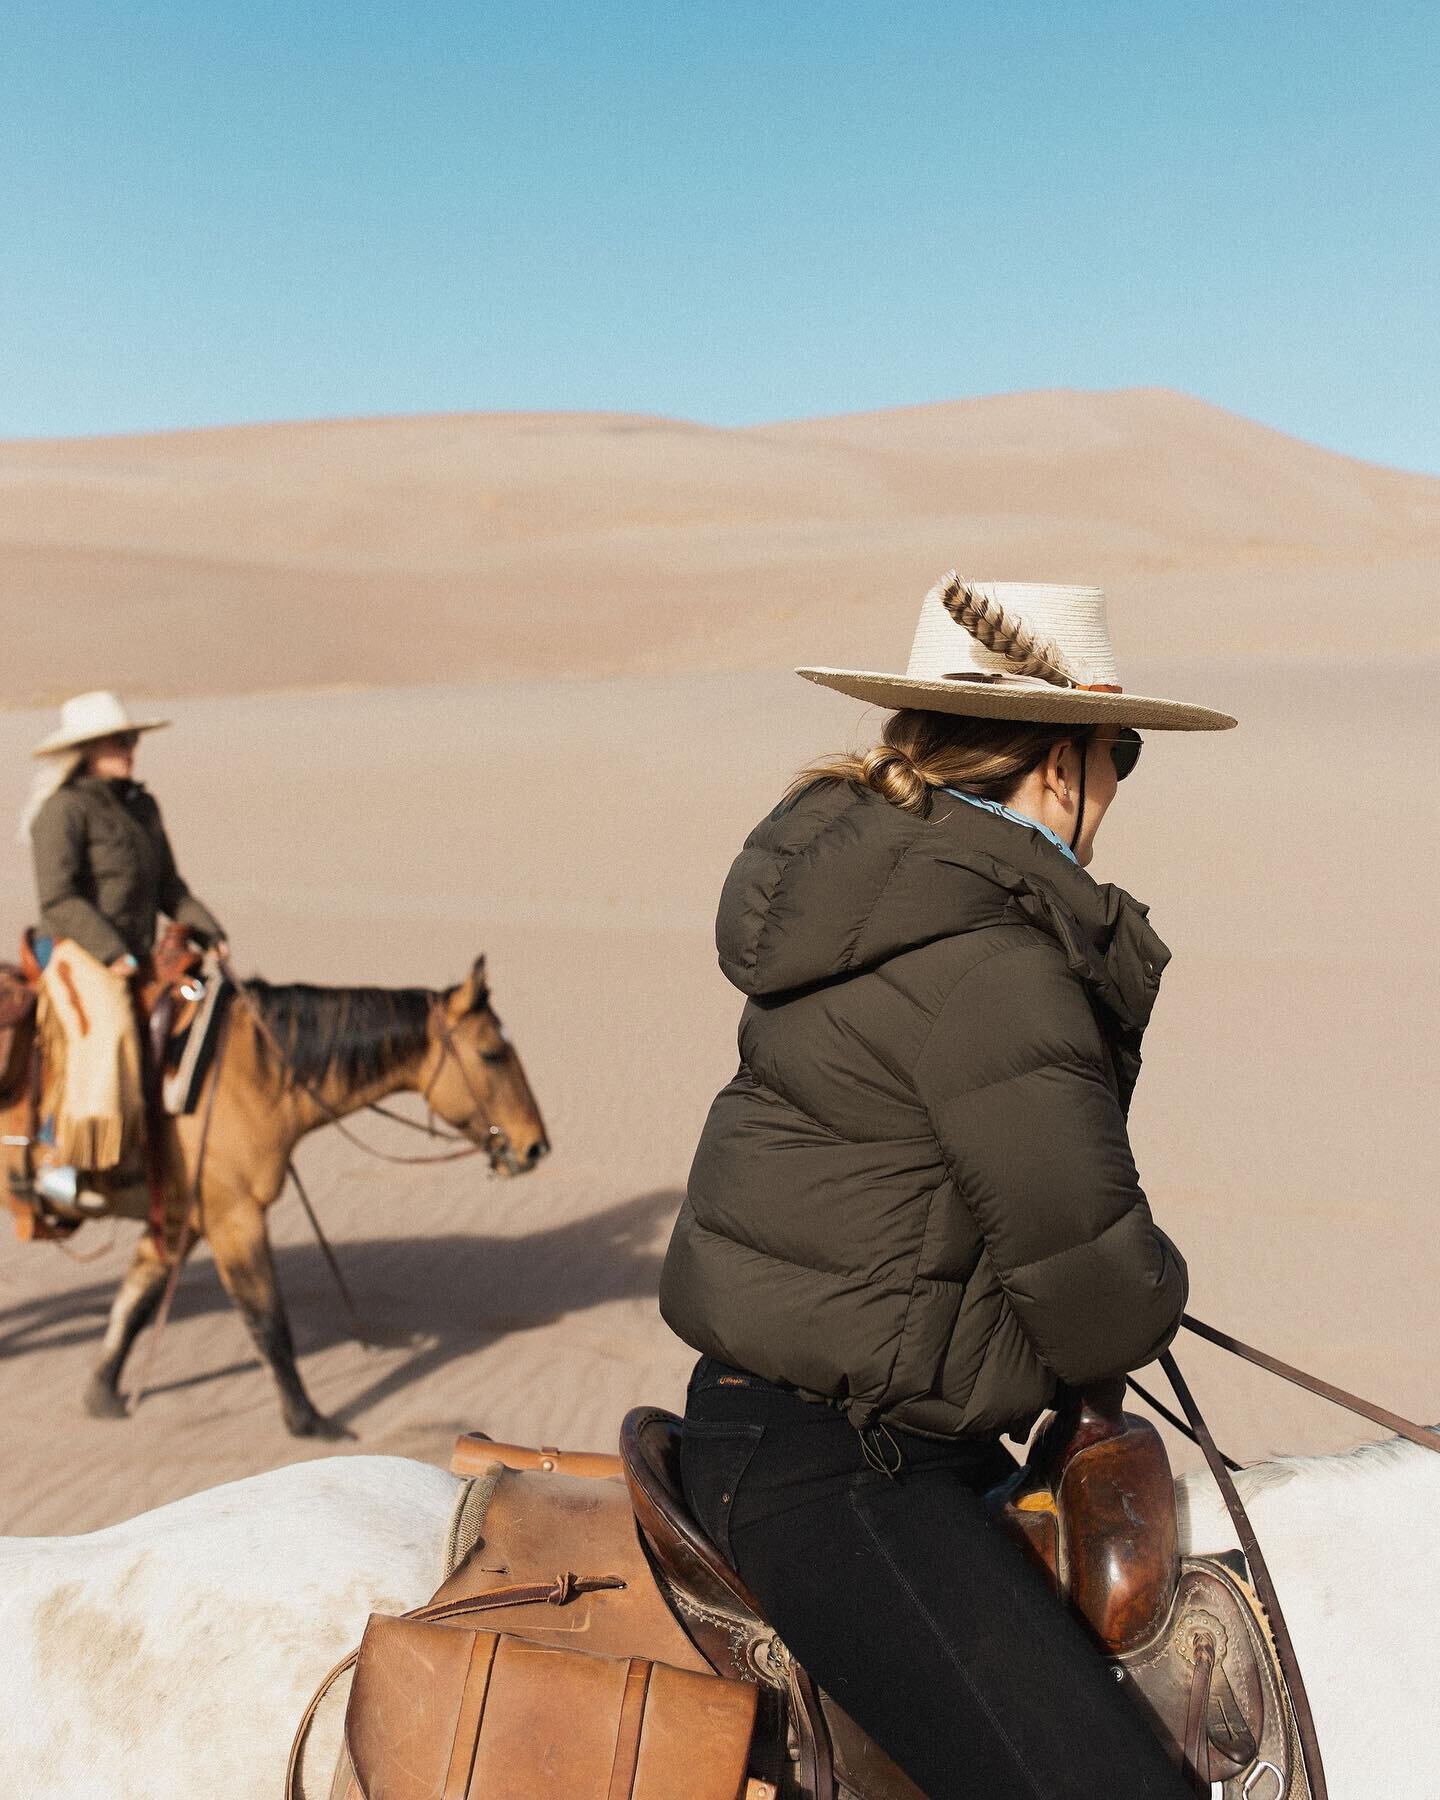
[579,833]
[368,552]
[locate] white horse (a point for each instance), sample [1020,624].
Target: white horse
[171,1656]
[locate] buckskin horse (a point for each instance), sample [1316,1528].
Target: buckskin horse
[291,1059]
[223,1610]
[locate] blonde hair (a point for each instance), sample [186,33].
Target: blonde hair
[50,777]
[923,751]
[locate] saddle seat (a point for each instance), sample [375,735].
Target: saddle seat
[724,1615]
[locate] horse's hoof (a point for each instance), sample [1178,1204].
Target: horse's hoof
[103,1402]
[316,1425]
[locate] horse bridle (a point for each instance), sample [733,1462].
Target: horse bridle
[496,1141]
[495,1144]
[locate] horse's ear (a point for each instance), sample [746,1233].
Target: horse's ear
[471,993]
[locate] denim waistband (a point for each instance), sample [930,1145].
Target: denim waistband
[719,1391]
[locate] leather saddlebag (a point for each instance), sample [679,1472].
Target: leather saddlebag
[441,1712]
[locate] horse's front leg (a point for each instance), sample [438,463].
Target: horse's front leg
[132,1309]
[235,1227]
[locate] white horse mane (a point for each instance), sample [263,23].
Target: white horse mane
[1320,1483]
[1362,1461]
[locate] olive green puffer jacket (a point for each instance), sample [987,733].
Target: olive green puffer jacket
[104,870]
[916,1198]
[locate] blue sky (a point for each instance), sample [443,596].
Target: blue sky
[728,210]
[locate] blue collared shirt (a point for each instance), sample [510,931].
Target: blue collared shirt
[1005,812]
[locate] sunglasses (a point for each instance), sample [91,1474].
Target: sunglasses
[1125,751]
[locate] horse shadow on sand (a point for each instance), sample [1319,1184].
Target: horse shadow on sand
[439,1298]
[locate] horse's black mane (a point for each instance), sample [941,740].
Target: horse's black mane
[357,1034]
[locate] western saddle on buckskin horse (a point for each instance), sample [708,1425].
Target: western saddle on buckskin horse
[651,1674]
[177,1013]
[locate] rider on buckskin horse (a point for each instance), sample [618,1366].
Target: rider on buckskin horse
[913,1214]
[104,873]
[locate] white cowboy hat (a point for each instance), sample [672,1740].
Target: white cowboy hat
[1016,650]
[91,716]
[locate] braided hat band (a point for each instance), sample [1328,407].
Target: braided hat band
[1006,635]
[1016,650]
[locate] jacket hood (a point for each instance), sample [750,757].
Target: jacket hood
[838,880]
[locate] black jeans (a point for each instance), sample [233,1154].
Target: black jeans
[900,1599]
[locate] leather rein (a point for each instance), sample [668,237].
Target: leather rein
[190,1223]
[1220,1467]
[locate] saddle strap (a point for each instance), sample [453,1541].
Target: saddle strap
[559,1592]
[1197,1719]
[1422,1435]
[815,1765]
[1260,1575]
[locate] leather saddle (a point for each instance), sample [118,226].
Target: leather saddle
[173,1007]
[20,1087]
[167,994]
[1094,1506]
[166,991]
[17,1013]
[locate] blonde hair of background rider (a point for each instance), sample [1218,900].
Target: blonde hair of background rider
[50,777]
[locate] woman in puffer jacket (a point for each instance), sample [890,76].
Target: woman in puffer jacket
[104,873]
[913,1213]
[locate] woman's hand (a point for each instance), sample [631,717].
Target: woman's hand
[124,966]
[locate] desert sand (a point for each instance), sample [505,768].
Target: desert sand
[521,684]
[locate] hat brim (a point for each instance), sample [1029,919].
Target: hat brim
[60,741]
[1020,700]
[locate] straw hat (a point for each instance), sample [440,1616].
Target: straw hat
[1016,650]
[91,716]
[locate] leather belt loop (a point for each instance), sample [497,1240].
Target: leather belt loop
[627,1731]
[472,1711]
[1197,1716]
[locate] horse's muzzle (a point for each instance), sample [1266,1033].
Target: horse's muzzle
[505,1161]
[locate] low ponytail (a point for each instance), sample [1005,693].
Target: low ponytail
[923,751]
[892,775]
